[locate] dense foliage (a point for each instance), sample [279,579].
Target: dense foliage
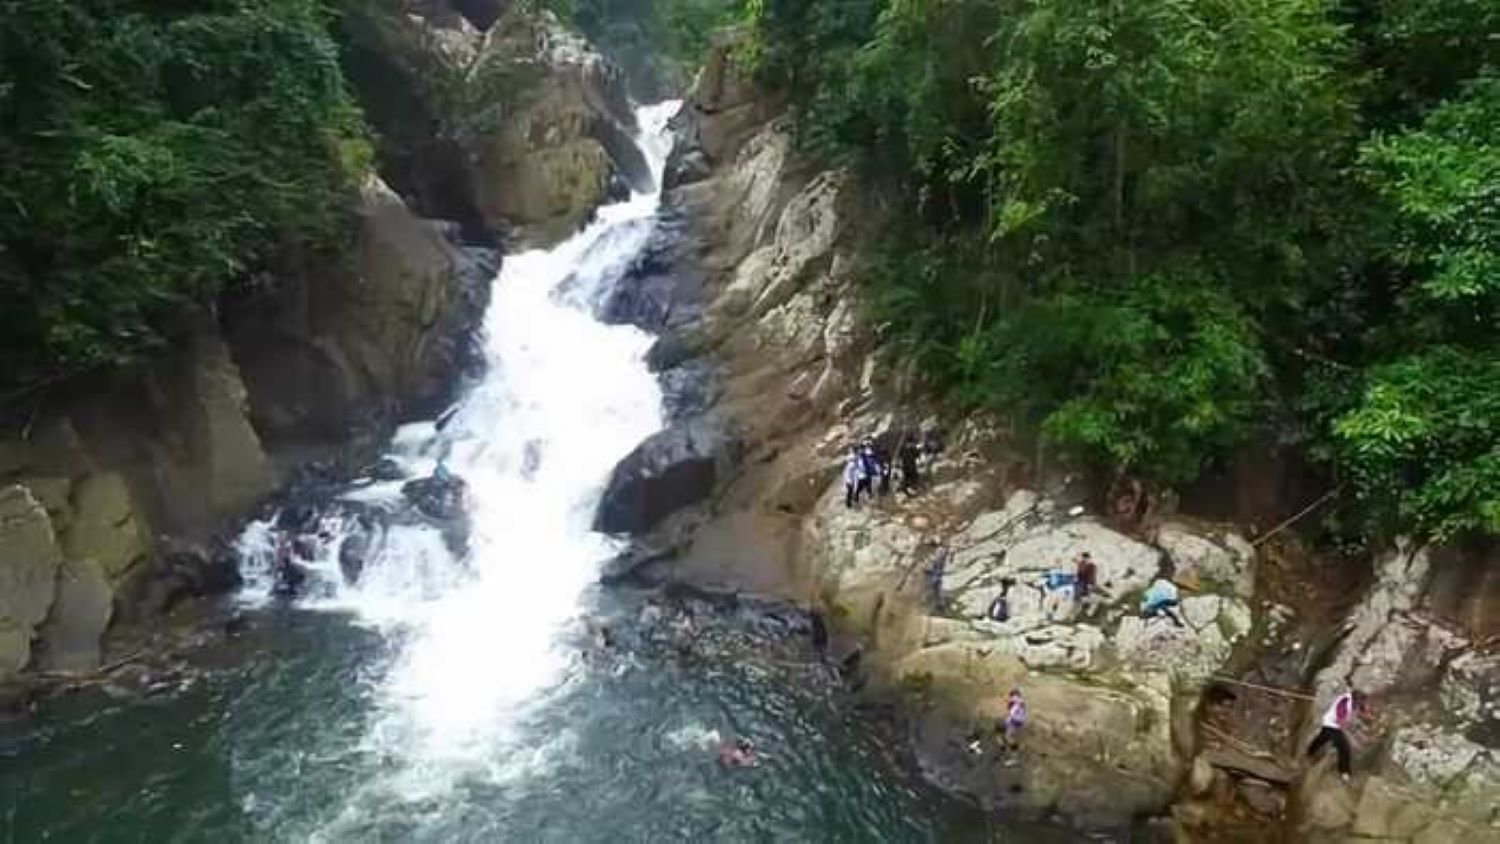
[659,43]
[155,152]
[1148,227]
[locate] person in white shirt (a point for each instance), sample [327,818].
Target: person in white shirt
[1338,715]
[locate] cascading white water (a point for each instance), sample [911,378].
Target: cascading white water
[564,397]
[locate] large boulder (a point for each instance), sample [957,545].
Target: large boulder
[670,470]
[722,110]
[543,170]
[180,570]
[103,527]
[79,617]
[444,500]
[1212,558]
[334,347]
[166,448]
[1212,625]
[1096,751]
[29,561]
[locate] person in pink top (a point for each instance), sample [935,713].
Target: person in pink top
[1331,731]
[1015,719]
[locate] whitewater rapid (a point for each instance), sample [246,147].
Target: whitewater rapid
[477,640]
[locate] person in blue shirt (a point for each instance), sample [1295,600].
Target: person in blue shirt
[1160,599]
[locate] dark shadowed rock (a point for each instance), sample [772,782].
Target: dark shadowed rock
[481,13]
[290,578]
[437,497]
[674,349]
[688,390]
[385,469]
[443,500]
[636,565]
[664,287]
[181,571]
[353,552]
[685,168]
[670,470]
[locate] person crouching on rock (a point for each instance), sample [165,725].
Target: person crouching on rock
[1335,719]
[1159,600]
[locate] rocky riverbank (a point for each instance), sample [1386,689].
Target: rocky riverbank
[1131,719]
[497,126]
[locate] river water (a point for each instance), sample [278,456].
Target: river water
[447,697]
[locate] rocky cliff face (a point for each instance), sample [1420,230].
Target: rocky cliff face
[495,115]
[360,340]
[566,147]
[1130,717]
[98,476]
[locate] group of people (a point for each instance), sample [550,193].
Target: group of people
[868,470]
[1076,585]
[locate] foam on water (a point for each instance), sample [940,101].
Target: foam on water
[564,397]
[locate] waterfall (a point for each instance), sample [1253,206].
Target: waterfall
[475,638]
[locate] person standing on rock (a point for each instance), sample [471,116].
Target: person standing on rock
[1085,582]
[999,610]
[1015,721]
[935,571]
[1335,719]
[910,474]
[869,469]
[853,468]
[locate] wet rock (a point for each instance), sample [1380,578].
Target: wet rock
[290,577]
[674,349]
[104,526]
[297,517]
[688,390]
[79,616]
[634,565]
[355,550]
[29,561]
[443,500]
[685,168]
[15,701]
[672,469]
[180,571]
[438,497]
[385,469]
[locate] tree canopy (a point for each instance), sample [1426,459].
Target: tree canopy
[1148,228]
[155,152]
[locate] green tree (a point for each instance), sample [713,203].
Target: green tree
[1423,440]
[155,153]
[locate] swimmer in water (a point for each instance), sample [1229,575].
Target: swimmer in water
[739,753]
